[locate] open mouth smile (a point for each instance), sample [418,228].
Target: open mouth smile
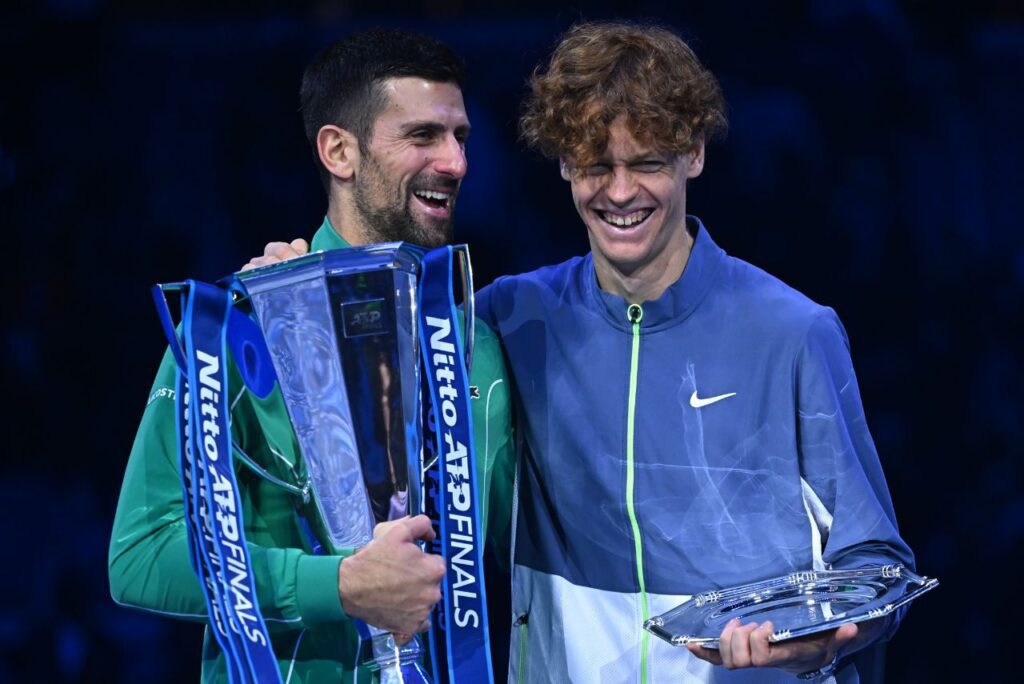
[630,220]
[435,200]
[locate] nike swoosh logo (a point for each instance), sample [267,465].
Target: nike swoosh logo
[697,402]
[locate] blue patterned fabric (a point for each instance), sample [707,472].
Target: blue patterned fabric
[772,471]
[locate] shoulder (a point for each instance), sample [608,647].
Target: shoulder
[507,292]
[768,304]
[488,359]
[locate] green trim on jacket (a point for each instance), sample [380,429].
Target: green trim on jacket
[297,591]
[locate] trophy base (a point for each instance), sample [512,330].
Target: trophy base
[397,664]
[406,673]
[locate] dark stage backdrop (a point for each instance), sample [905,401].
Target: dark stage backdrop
[874,162]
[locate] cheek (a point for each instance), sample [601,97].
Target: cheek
[582,194]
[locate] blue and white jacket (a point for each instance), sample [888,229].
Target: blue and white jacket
[636,490]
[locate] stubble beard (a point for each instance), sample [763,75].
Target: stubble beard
[392,220]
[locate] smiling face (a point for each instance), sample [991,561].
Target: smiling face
[410,171]
[633,202]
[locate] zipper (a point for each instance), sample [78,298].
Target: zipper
[635,314]
[521,622]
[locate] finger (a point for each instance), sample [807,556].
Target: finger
[709,654]
[845,634]
[725,642]
[424,626]
[739,651]
[438,569]
[401,638]
[300,246]
[419,527]
[277,250]
[382,527]
[256,262]
[760,648]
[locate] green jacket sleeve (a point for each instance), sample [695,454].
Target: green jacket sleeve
[149,561]
[492,436]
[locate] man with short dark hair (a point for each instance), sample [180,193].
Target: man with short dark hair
[383,111]
[689,422]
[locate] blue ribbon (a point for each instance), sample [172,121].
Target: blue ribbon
[462,613]
[213,511]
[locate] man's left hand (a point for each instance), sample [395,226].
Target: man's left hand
[747,645]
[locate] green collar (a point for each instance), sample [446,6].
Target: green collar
[327,238]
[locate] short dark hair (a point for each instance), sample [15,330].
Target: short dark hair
[343,84]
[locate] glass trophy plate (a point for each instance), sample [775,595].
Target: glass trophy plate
[797,604]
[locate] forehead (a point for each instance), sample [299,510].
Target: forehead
[412,98]
[623,145]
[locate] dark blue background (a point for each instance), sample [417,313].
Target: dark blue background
[874,162]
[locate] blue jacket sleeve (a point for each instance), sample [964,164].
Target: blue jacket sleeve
[838,457]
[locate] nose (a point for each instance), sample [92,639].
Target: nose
[451,158]
[622,186]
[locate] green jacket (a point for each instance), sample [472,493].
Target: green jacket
[297,591]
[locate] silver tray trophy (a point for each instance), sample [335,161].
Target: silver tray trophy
[342,333]
[797,604]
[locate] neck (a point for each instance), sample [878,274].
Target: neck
[644,282]
[346,223]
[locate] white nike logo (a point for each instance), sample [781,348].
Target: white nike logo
[697,402]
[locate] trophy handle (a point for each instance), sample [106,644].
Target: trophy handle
[468,302]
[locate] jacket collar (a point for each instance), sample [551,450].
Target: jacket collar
[675,303]
[327,238]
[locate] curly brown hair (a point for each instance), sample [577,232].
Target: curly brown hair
[600,71]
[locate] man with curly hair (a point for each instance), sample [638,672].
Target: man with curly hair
[687,421]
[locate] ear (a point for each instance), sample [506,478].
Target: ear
[696,160]
[338,150]
[563,169]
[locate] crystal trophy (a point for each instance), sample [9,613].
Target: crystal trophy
[342,333]
[797,604]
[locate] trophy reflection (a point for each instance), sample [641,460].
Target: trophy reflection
[342,333]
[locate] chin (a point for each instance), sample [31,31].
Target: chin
[434,236]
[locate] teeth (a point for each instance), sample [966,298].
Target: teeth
[627,220]
[431,194]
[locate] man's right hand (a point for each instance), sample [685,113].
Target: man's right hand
[276,252]
[390,583]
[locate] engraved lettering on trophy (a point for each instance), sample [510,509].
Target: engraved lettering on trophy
[364,318]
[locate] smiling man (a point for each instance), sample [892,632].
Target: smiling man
[384,114]
[688,421]
[399,178]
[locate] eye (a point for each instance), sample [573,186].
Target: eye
[422,135]
[598,169]
[648,166]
